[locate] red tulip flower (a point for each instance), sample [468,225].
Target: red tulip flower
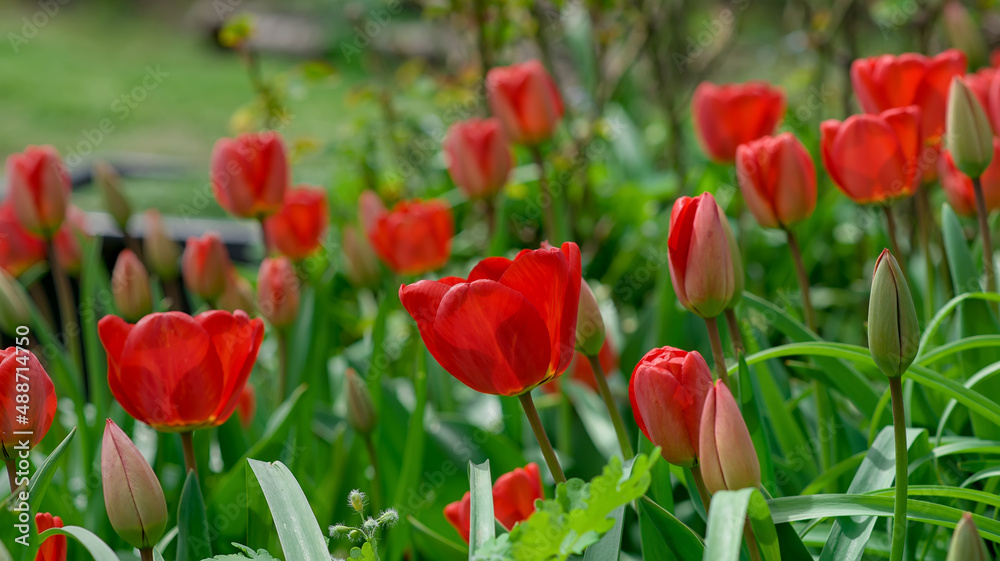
[250,174]
[581,372]
[296,231]
[479,158]
[778,180]
[958,186]
[889,82]
[38,188]
[514,496]
[732,114]
[35,416]
[19,249]
[526,100]
[205,266]
[67,240]
[728,458]
[179,373]
[667,391]
[874,158]
[507,328]
[412,238]
[278,291]
[53,548]
[706,272]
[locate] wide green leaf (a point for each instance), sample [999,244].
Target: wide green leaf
[193,540]
[727,516]
[297,528]
[482,524]
[681,540]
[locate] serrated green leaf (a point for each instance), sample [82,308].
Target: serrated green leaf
[363,553]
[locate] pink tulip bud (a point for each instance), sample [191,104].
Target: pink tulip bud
[526,100]
[130,286]
[479,158]
[133,496]
[728,458]
[278,291]
[109,182]
[38,187]
[667,391]
[706,272]
[161,251]
[250,174]
[205,265]
[778,180]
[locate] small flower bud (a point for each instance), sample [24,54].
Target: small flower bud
[357,500]
[356,535]
[130,287]
[132,494]
[340,531]
[360,409]
[893,333]
[206,266]
[966,544]
[14,308]
[161,251]
[389,517]
[109,182]
[278,291]
[728,459]
[590,331]
[969,133]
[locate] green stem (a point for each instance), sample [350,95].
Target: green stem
[984,231]
[902,465]
[699,483]
[717,353]
[735,336]
[609,402]
[282,336]
[187,441]
[543,439]
[800,271]
[67,311]
[751,541]
[263,237]
[548,201]
[890,219]
[146,554]
[12,474]
[925,224]
[376,480]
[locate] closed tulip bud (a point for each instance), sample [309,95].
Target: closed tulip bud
[278,291]
[67,241]
[130,286]
[479,158]
[14,308]
[250,174]
[205,266]
[18,366]
[38,186]
[966,543]
[970,135]
[238,294]
[590,330]
[667,391]
[360,409]
[705,269]
[110,185]
[893,332]
[133,496]
[728,459]
[526,100]
[777,179]
[54,547]
[360,261]
[161,251]
[19,249]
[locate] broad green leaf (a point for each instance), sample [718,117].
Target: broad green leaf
[40,482]
[297,528]
[193,541]
[970,384]
[682,541]
[364,553]
[726,519]
[594,416]
[482,524]
[93,544]
[750,395]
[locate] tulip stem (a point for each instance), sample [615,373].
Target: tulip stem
[902,466]
[984,231]
[543,439]
[548,201]
[376,480]
[925,224]
[751,541]
[282,337]
[890,219]
[800,271]
[12,474]
[699,483]
[263,237]
[67,311]
[717,353]
[146,554]
[187,441]
[609,402]
[735,337]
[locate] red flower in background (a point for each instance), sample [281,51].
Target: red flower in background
[205,266]
[958,187]
[580,370]
[250,174]
[732,114]
[38,187]
[526,100]
[507,328]
[54,547]
[874,158]
[278,291]
[19,249]
[778,180]
[514,496]
[67,240]
[296,231]
[479,158]
[413,238]
[247,406]
[41,406]
[179,373]
[979,82]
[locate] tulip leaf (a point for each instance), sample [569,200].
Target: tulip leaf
[298,531]
[93,544]
[40,482]
[193,541]
[750,395]
[482,527]
[726,518]
[431,543]
[676,536]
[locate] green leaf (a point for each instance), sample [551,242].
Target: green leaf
[298,531]
[40,482]
[364,553]
[594,416]
[609,548]
[193,541]
[93,544]
[750,394]
[482,525]
[682,541]
[430,542]
[726,519]
[260,554]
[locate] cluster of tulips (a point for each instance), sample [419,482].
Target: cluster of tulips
[511,325]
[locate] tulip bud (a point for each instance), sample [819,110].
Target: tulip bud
[278,291]
[130,286]
[893,333]
[38,187]
[966,544]
[67,240]
[360,409]
[109,182]
[238,294]
[205,266]
[590,331]
[18,366]
[19,249]
[132,494]
[360,262]
[14,308]
[479,158]
[728,458]
[969,133]
[161,251]
[705,267]
[526,100]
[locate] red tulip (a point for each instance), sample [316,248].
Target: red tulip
[296,231]
[205,265]
[413,238]
[250,174]
[514,496]
[179,373]
[732,114]
[35,416]
[778,180]
[507,328]
[874,158]
[526,100]
[53,548]
[38,186]
[479,158]
[581,372]
[889,82]
[706,273]
[19,249]
[958,186]
[247,406]
[67,240]
[728,459]
[278,291]
[667,391]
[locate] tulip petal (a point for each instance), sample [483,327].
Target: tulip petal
[491,268]
[422,300]
[740,466]
[113,332]
[236,340]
